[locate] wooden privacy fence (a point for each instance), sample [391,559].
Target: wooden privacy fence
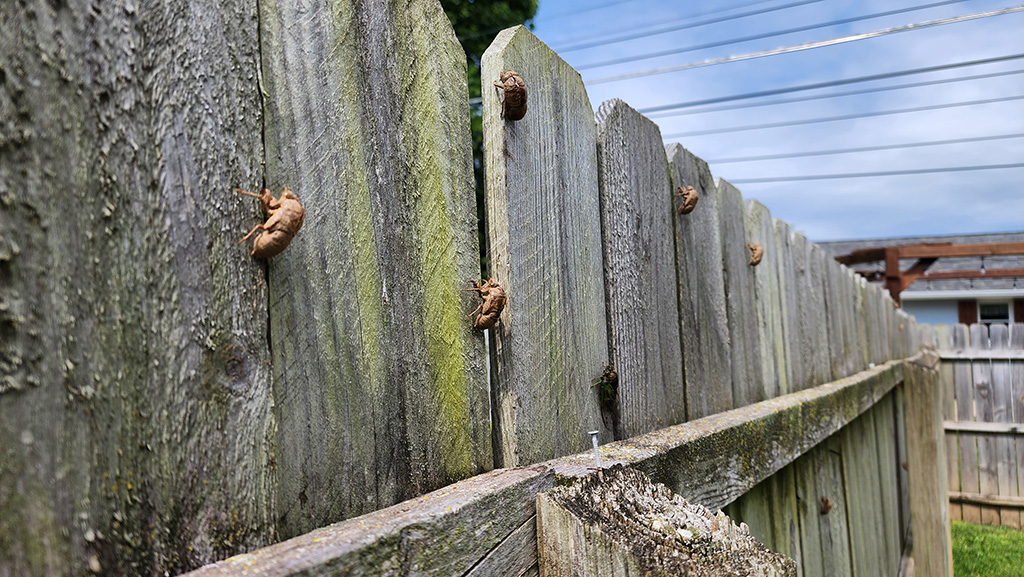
[166,401]
[983,405]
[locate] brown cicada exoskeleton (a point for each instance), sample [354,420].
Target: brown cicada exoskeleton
[756,252]
[494,302]
[690,198]
[284,219]
[513,107]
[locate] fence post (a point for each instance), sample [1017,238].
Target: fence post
[640,270]
[380,385]
[545,249]
[707,355]
[929,500]
[618,523]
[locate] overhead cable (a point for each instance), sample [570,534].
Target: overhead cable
[842,117]
[861,149]
[743,105]
[873,174]
[828,84]
[718,43]
[808,45]
[675,28]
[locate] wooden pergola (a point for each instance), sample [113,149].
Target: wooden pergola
[897,280]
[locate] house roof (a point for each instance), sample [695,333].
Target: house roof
[839,248]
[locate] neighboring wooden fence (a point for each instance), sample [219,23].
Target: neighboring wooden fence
[166,401]
[983,399]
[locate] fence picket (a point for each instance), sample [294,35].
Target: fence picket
[640,273]
[768,301]
[1017,408]
[545,250]
[380,384]
[984,405]
[789,305]
[706,349]
[740,298]
[1002,412]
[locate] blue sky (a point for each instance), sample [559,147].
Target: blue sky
[831,209]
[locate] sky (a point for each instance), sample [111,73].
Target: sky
[584,34]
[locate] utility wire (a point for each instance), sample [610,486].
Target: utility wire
[677,27]
[832,95]
[870,174]
[716,44]
[808,46]
[829,84]
[842,117]
[862,149]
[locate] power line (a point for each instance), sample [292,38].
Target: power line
[809,45]
[828,84]
[677,27]
[861,149]
[833,95]
[842,117]
[871,174]
[716,44]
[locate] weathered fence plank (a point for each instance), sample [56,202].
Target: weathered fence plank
[380,389]
[640,271]
[706,348]
[545,249]
[740,298]
[786,269]
[773,351]
[928,489]
[812,320]
[984,406]
[888,482]
[1017,394]
[942,339]
[134,383]
[1002,412]
[812,552]
[963,384]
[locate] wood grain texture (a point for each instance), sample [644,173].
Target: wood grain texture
[545,249]
[810,313]
[640,270]
[745,346]
[786,271]
[773,350]
[1017,394]
[707,353]
[928,489]
[380,387]
[984,404]
[887,501]
[135,419]
[1002,412]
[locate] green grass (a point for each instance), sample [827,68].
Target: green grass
[984,551]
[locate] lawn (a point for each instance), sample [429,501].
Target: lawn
[984,551]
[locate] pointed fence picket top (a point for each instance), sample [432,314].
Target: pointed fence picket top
[545,250]
[748,385]
[380,383]
[636,213]
[707,352]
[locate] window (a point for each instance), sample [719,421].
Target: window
[989,313]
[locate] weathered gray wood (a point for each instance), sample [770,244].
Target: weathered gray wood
[380,389]
[985,411]
[850,304]
[942,339]
[1002,412]
[840,323]
[705,329]
[887,502]
[618,523]
[963,386]
[773,349]
[464,525]
[982,355]
[812,319]
[932,548]
[988,428]
[990,500]
[515,556]
[788,292]
[545,249]
[446,532]
[812,552]
[835,535]
[134,385]
[900,420]
[640,270]
[1017,394]
[740,298]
